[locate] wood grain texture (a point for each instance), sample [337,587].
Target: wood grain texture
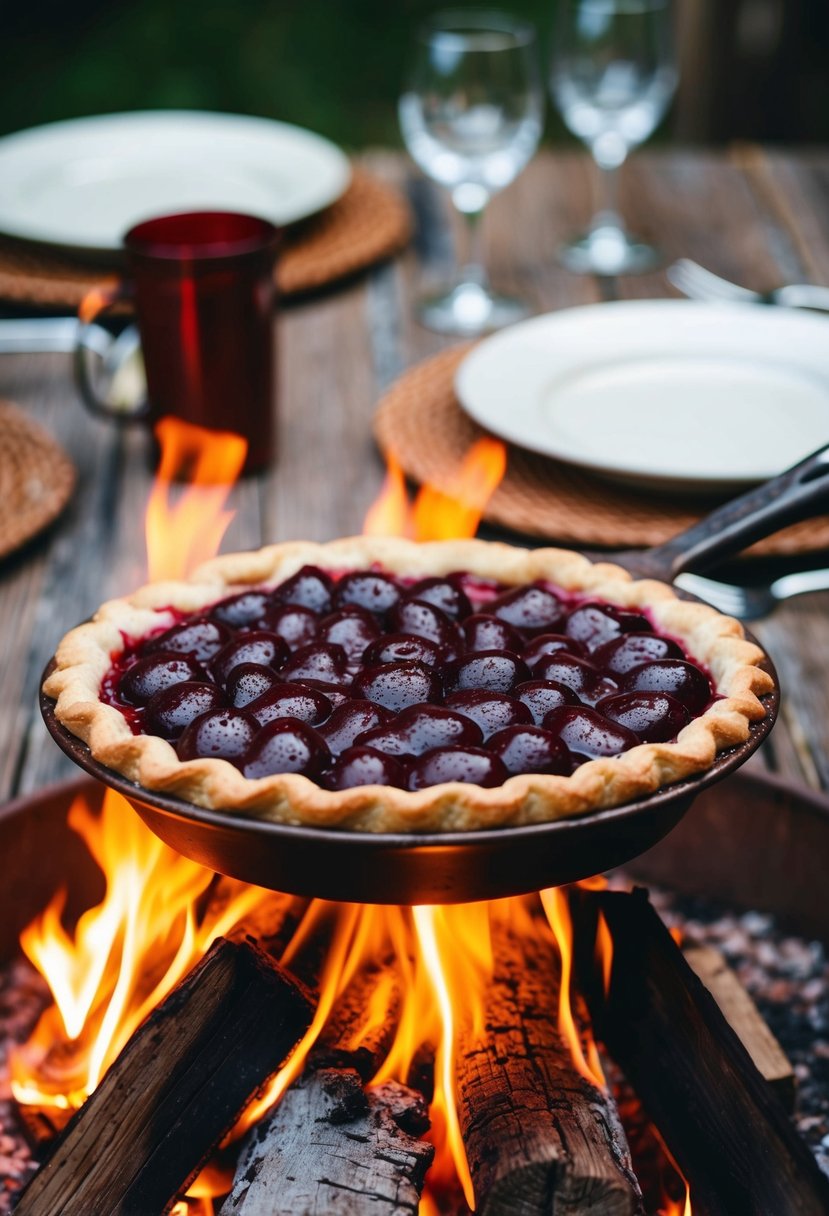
[538,1136]
[330,1149]
[744,1018]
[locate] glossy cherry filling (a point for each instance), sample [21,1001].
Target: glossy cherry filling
[367,678]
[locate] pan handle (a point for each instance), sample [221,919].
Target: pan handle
[797,494]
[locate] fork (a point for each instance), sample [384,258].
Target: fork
[753,603]
[698,283]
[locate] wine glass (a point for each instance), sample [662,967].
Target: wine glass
[612,77]
[471,118]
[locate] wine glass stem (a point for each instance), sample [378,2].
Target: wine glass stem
[608,215]
[471,259]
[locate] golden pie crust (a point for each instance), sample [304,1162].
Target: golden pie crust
[86,654]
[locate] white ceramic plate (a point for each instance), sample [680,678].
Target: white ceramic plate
[661,394]
[82,184]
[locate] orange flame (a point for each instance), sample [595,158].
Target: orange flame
[389,513]
[676,1207]
[127,953]
[439,514]
[183,533]
[585,1057]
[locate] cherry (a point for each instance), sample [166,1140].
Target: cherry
[595,624]
[290,701]
[587,734]
[532,608]
[363,766]
[493,670]
[319,661]
[421,619]
[580,675]
[171,710]
[310,587]
[530,749]
[350,720]
[472,765]
[421,728]
[354,629]
[540,696]
[655,717]
[624,653]
[155,672]
[444,594]
[485,632]
[247,610]
[297,626]
[224,734]
[199,639]
[491,710]
[396,686]
[402,648]
[364,589]
[258,646]
[286,746]
[249,681]
[679,679]
[551,643]
[335,694]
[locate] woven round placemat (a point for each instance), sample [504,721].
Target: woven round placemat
[36,478]
[369,223]
[420,422]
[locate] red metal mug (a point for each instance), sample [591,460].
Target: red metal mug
[202,287]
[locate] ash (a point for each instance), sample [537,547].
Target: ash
[23,996]
[788,979]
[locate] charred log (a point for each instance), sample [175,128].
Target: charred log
[175,1090]
[332,1148]
[538,1136]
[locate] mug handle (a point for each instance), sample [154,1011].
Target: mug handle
[95,303]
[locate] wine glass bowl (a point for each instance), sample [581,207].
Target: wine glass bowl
[612,78]
[471,118]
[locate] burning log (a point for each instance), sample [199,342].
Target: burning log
[720,1119]
[331,1147]
[175,1090]
[537,1134]
[352,1038]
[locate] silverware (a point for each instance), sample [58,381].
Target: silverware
[34,335]
[752,603]
[700,284]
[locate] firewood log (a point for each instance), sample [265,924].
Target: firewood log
[177,1087]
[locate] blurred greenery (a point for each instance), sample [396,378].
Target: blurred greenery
[332,65]
[336,65]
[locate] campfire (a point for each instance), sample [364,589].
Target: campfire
[270,1054]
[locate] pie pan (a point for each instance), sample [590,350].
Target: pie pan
[452,867]
[400,868]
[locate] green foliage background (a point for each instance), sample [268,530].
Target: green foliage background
[332,65]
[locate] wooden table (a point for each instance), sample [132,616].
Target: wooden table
[761,218]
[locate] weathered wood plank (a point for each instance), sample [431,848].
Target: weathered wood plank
[744,1018]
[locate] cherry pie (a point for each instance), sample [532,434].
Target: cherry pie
[382,685]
